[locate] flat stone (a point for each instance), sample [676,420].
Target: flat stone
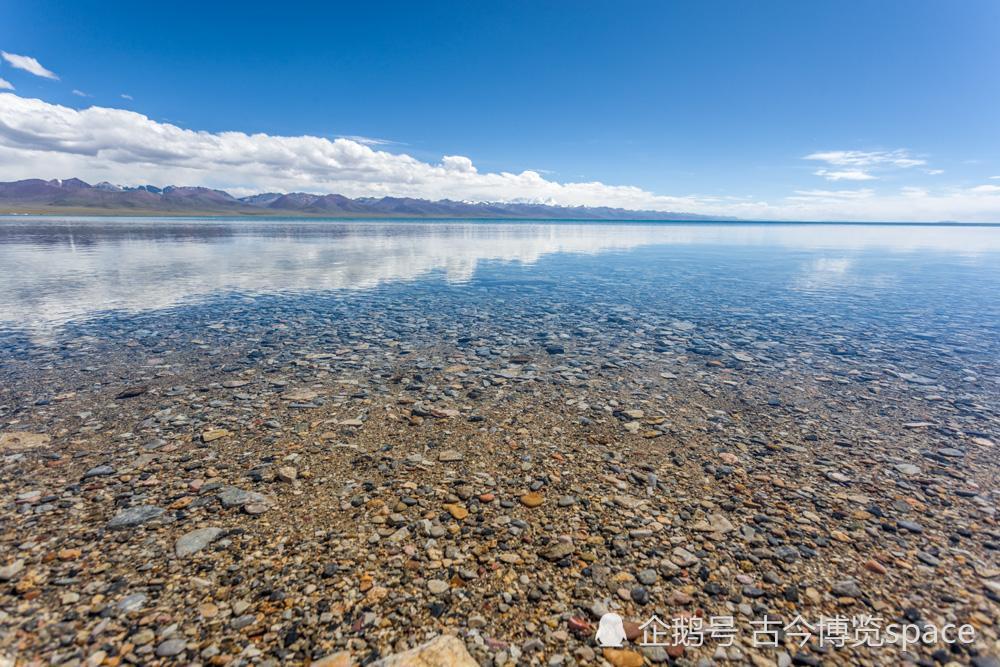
[450,455]
[133,602]
[8,572]
[99,471]
[623,657]
[134,516]
[18,440]
[214,434]
[339,659]
[715,523]
[437,586]
[193,542]
[846,588]
[300,395]
[557,551]
[131,392]
[442,651]
[170,648]
[256,508]
[648,577]
[231,496]
[532,499]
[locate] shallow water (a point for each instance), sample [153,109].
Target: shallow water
[62,271]
[772,372]
[783,301]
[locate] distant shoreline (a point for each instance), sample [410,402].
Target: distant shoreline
[257,215]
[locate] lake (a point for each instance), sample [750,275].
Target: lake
[361,433]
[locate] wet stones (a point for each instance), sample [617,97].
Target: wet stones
[99,471]
[214,434]
[532,499]
[457,511]
[714,523]
[131,392]
[10,572]
[130,603]
[557,551]
[846,588]
[442,651]
[134,516]
[647,577]
[13,441]
[196,540]
[250,501]
[170,648]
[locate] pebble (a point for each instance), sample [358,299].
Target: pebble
[134,516]
[196,540]
[171,648]
[532,499]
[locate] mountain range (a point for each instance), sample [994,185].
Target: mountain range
[76,196]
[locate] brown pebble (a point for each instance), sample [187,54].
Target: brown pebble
[533,499]
[623,658]
[875,566]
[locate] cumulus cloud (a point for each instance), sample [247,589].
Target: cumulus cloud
[849,175]
[900,158]
[39,139]
[127,146]
[28,64]
[6,85]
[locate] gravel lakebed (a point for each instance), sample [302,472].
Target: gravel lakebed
[302,486]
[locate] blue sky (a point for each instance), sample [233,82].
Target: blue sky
[711,106]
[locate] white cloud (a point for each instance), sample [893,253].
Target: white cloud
[847,175]
[28,64]
[38,139]
[126,96]
[900,158]
[933,172]
[987,189]
[80,93]
[125,146]
[6,85]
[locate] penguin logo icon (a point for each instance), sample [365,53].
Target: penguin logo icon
[610,631]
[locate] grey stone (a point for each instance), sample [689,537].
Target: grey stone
[846,588]
[132,602]
[134,516]
[231,496]
[99,471]
[170,648]
[193,542]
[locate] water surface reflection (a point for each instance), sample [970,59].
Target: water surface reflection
[58,270]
